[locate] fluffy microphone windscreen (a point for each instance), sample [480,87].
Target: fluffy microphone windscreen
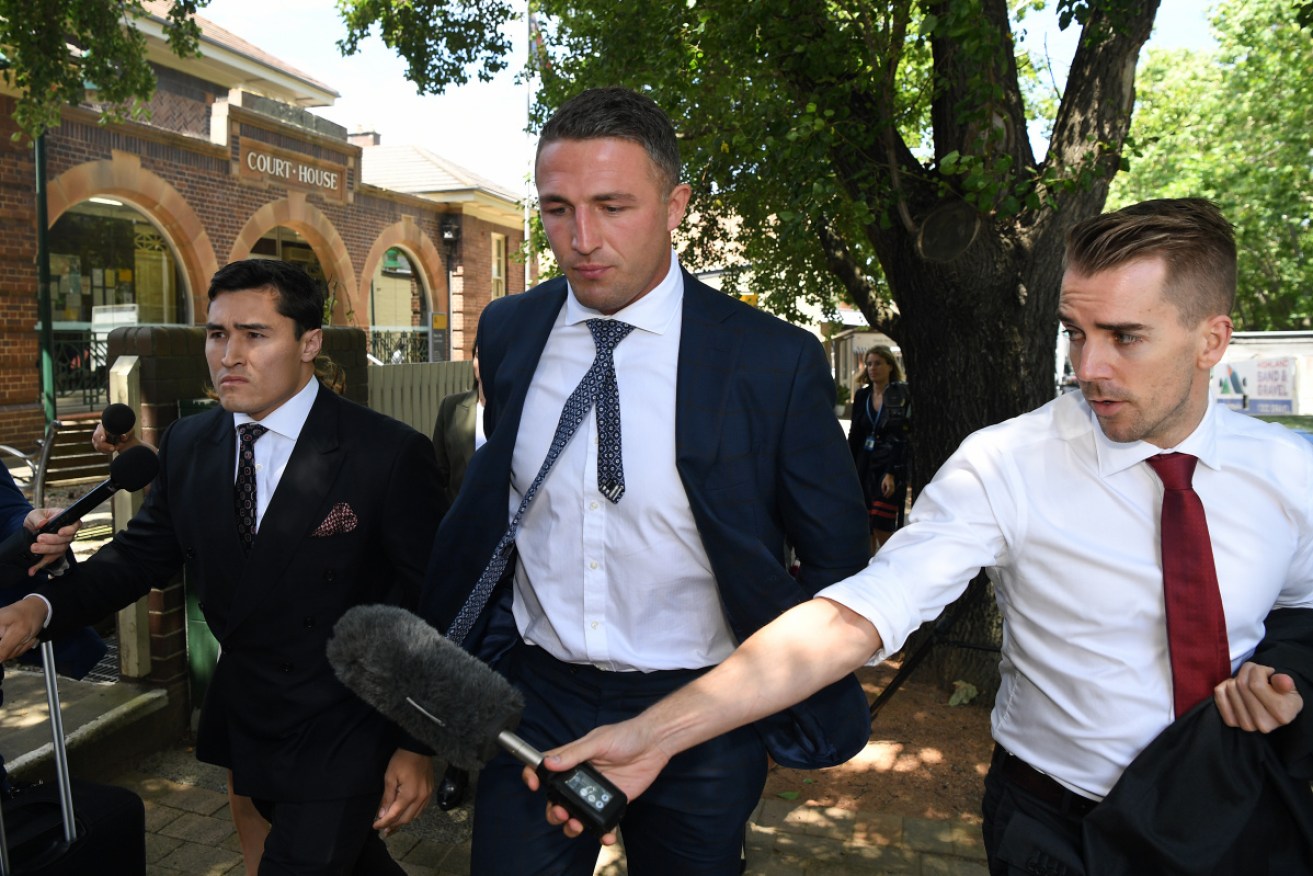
[134,468]
[118,419]
[385,654]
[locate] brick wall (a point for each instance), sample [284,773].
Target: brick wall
[174,149]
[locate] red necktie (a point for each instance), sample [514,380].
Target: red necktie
[1196,626]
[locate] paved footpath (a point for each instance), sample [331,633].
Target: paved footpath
[189,833]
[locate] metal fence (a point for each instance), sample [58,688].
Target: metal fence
[79,360]
[399,346]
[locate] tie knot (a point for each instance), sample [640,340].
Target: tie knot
[247,433]
[1175,470]
[607,333]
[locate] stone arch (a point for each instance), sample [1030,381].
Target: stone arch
[408,236]
[123,177]
[297,213]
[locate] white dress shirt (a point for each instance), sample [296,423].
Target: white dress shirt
[274,448]
[480,439]
[1066,522]
[624,586]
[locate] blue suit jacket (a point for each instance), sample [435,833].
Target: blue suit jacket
[762,459]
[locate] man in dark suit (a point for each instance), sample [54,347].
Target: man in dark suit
[341,512]
[631,580]
[457,433]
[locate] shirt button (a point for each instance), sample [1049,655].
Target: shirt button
[595,625]
[259,467]
[592,564]
[592,506]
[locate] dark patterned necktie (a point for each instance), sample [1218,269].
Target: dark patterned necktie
[1196,624]
[598,387]
[244,488]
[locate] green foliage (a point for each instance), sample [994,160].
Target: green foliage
[1236,126]
[63,52]
[441,40]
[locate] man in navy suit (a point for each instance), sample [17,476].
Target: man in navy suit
[344,508]
[730,455]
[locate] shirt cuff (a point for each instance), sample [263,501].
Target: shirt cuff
[50,611]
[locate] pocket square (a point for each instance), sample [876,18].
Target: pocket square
[339,521]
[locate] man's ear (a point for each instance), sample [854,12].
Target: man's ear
[677,204]
[311,343]
[1215,335]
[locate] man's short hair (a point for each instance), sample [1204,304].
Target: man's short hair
[623,114]
[1190,234]
[300,297]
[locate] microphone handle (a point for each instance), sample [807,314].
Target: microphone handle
[585,793]
[81,507]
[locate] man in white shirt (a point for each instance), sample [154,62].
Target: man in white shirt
[1062,510]
[641,563]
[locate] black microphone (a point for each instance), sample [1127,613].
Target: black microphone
[455,703]
[118,420]
[131,470]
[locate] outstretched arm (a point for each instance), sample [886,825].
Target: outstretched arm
[805,649]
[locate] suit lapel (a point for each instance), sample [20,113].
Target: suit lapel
[213,472]
[705,347]
[509,383]
[296,507]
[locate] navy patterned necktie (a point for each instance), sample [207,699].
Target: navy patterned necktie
[599,388]
[244,488]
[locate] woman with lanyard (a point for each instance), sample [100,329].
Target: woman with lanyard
[878,437]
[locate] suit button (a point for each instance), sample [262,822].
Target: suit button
[285,667]
[309,623]
[330,575]
[189,554]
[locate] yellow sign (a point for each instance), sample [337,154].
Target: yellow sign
[439,321]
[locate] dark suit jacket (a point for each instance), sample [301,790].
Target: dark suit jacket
[453,439]
[761,457]
[1205,798]
[275,713]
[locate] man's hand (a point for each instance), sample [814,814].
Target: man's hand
[20,623]
[49,546]
[626,753]
[887,484]
[1258,699]
[407,789]
[100,441]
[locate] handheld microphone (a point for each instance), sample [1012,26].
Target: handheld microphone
[118,420]
[455,703]
[131,470]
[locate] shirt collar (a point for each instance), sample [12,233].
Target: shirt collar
[1117,456]
[288,418]
[655,312]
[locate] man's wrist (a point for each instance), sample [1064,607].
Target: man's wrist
[49,610]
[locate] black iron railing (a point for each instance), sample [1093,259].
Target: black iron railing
[399,346]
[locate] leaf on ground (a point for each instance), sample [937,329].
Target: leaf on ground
[963,693]
[788,795]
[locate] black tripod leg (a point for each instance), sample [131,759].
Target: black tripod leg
[942,627]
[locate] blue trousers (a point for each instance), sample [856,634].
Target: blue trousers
[690,822]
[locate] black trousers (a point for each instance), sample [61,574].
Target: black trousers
[689,823]
[325,838]
[1025,834]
